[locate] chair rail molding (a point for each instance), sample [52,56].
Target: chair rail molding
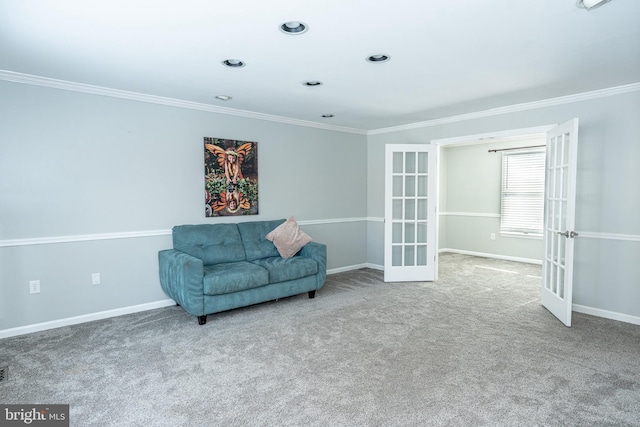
[139,234]
[472,214]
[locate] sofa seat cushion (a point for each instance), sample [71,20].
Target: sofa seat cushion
[282,270]
[231,277]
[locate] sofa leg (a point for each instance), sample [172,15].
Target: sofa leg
[312,294]
[202,320]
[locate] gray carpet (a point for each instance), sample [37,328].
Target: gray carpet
[474,348]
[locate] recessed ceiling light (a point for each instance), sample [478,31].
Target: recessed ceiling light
[233,63]
[223,97]
[327,116]
[378,58]
[312,83]
[590,4]
[294,27]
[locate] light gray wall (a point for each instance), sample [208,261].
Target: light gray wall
[608,184]
[470,182]
[74,164]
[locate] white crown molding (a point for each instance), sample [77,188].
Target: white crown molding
[12,76]
[601,93]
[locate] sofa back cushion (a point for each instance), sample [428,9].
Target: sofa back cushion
[212,243]
[254,238]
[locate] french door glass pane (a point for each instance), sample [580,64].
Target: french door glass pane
[397,209]
[409,255]
[565,183]
[557,213]
[423,183]
[421,255]
[396,233]
[410,209]
[560,280]
[410,186]
[422,209]
[396,256]
[409,232]
[410,163]
[557,177]
[397,186]
[422,232]
[397,162]
[423,162]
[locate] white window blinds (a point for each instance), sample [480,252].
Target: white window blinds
[522,210]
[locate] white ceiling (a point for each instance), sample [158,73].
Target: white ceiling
[448,57]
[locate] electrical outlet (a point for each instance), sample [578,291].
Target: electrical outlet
[95,279]
[493,236]
[34,286]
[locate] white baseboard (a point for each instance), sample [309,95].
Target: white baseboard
[347,268]
[23,330]
[496,256]
[59,323]
[355,267]
[606,314]
[375,266]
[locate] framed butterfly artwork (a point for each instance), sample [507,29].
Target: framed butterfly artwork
[231,177]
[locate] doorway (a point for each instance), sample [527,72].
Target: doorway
[470,199]
[559,207]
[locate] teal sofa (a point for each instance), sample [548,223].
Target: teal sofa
[218,267]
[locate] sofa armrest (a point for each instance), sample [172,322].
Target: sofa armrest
[318,252]
[181,278]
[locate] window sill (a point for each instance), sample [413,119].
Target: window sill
[522,235]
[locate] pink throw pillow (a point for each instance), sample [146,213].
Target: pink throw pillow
[288,238]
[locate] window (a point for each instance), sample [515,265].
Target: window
[522,210]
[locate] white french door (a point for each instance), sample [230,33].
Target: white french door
[410,222]
[559,220]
